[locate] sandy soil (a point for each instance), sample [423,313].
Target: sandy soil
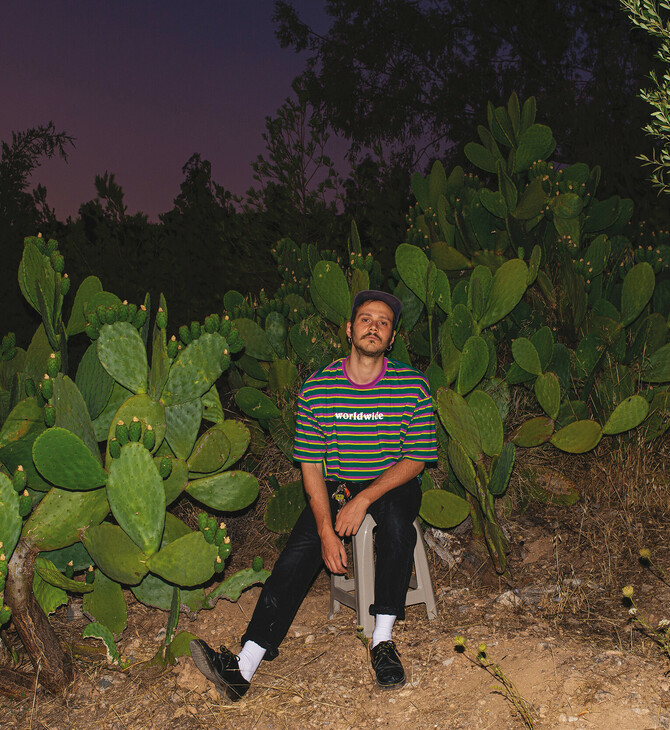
[561,633]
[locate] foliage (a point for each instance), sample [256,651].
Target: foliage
[647,14]
[404,78]
[534,265]
[146,405]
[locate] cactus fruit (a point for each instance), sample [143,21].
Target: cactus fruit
[185,335]
[195,330]
[172,347]
[114,449]
[140,317]
[53,364]
[49,415]
[65,283]
[165,467]
[47,387]
[135,429]
[149,438]
[161,318]
[92,331]
[20,479]
[121,432]
[25,503]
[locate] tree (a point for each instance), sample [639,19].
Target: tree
[409,76]
[646,14]
[297,178]
[22,212]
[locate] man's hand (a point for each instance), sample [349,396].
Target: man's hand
[351,515]
[333,553]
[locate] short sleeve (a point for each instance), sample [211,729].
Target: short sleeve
[420,443]
[309,443]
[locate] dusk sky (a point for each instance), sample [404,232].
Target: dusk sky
[142,85]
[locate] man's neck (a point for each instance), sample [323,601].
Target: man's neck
[363,369]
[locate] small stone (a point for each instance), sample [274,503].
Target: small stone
[508,598]
[448,662]
[309,639]
[562,717]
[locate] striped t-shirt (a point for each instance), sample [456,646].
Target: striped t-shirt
[358,431]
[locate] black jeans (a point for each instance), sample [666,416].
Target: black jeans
[300,561]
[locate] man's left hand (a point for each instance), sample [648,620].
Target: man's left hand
[350,516]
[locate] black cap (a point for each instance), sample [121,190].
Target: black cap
[379,296]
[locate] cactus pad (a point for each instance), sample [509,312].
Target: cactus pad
[284,507]
[170,562]
[195,369]
[330,292]
[72,413]
[548,393]
[256,342]
[238,436]
[63,459]
[94,382]
[228,491]
[578,437]
[22,426]
[473,364]
[443,509]
[459,421]
[115,553]
[533,432]
[657,368]
[507,288]
[106,603]
[255,404]
[462,466]
[526,356]
[48,572]
[183,423]
[210,452]
[489,422]
[628,414]
[56,521]
[123,355]
[10,520]
[232,587]
[637,290]
[136,496]
[502,470]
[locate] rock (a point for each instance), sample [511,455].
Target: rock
[446,546]
[508,599]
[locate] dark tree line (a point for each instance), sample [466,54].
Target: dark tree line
[403,82]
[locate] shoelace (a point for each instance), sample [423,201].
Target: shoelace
[386,648]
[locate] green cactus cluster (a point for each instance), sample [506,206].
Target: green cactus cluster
[147,406]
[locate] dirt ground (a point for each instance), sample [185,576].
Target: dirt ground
[559,630]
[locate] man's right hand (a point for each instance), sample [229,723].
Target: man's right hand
[333,553]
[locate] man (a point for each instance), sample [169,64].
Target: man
[364,430]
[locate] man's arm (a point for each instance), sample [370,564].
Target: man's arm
[332,550]
[350,517]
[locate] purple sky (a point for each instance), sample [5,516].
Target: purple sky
[142,85]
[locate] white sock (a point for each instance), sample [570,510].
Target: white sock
[249,659]
[383,628]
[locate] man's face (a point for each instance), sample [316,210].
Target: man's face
[372,330]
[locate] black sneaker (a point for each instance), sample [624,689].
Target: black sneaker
[220,667]
[386,663]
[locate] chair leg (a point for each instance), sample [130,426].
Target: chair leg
[424,583]
[364,573]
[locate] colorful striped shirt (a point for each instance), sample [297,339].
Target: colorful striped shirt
[359,431]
